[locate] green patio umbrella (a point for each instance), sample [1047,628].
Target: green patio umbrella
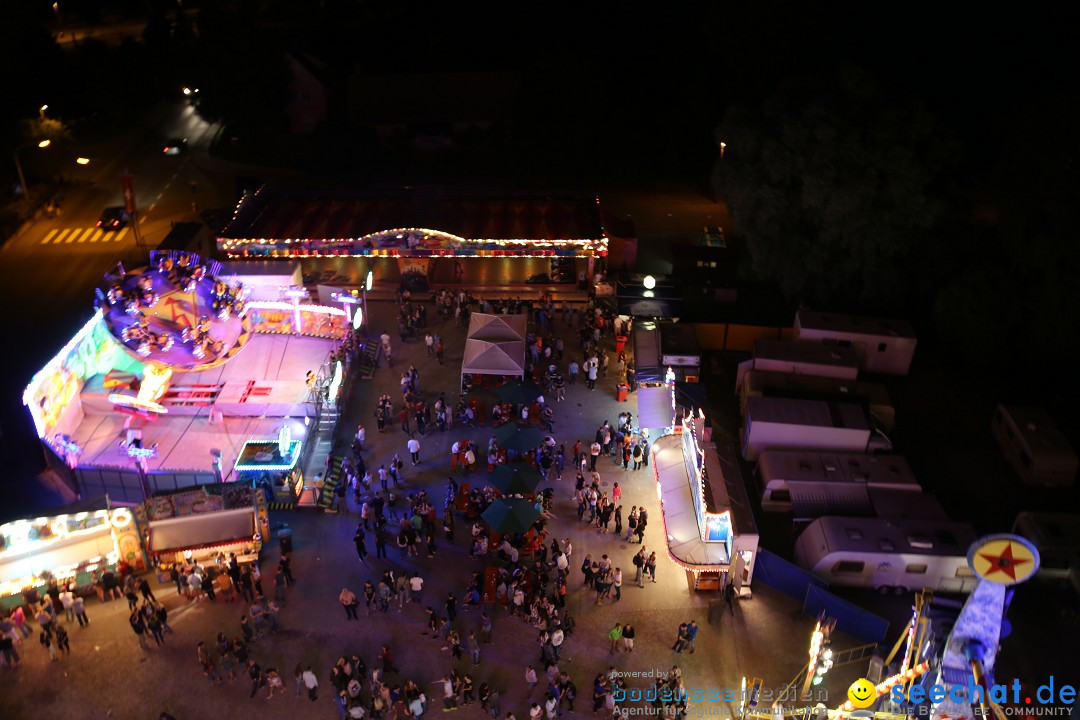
[518,480]
[519,438]
[510,515]
[519,392]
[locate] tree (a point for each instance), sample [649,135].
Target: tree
[833,186]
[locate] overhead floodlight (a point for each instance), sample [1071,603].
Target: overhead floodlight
[358,318]
[649,282]
[368,282]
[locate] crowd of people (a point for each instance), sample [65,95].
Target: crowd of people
[526,578]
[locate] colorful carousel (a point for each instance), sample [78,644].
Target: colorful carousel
[178,312]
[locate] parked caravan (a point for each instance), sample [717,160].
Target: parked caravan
[793,358]
[1057,538]
[1033,446]
[765,383]
[883,346]
[888,555]
[810,484]
[782,423]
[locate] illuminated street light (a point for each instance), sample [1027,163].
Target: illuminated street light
[83,161]
[649,282]
[42,109]
[722,146]
[19,170]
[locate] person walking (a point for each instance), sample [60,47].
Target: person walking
[348,601]
[414,450]
[138,626]
[79,608]
[429,343]
[361,545]
[729,595]
[614,635]
[530,680]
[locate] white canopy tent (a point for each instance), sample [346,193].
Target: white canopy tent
[495,345]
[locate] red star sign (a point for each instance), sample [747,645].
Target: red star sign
[1005,562]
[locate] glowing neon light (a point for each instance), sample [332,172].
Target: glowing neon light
[369,281]
[358,318]
[278,305]
[294,456]
[335,383]
[51,367]
[155,381]
[137,403]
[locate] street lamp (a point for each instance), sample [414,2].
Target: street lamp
[722,146]
[41,111]
[19,170]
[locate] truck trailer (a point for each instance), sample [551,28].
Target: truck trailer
[790,424]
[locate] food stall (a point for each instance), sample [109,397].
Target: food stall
[708,523]
[35,551]
[203,526]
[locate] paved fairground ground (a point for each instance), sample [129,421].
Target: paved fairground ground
[109,675]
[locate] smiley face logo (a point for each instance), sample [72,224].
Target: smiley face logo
[862,693]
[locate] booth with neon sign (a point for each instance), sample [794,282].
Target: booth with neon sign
[708,524]
[69,547]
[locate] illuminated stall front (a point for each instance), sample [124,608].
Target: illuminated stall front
[459,237]
[37,551]
[708,522]
[203,526]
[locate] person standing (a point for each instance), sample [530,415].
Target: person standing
[144,588]
[650,566]
[474,648]
[729,595]
[614,635]
[628,634]
[594,454]
[691,635]
[680,640]
[348,601]
[429,342]
[439,351]
[617,584]
[414,450]
[311,683]
[639,567]
[451,607]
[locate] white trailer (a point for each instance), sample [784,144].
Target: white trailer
[883,346]
[888,555]
[1057,538]
[812,484]
[784,423]
[1034,447]
[793,358]
[765,383]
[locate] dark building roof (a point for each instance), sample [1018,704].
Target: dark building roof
[301,214]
